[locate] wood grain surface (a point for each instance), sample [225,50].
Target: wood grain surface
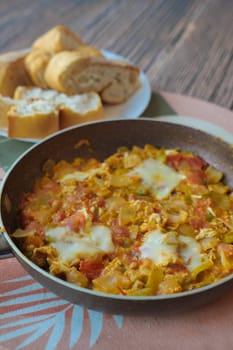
[184,46]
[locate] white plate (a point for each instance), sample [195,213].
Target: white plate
[133,108]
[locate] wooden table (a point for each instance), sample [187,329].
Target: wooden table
[184,46]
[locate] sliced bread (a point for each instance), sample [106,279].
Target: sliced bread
[71,73]
[36,119]
[73,110]
[37,60]
[80,109]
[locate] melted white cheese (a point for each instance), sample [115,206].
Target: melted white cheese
[190,252]
[158,177]
[82,175]
[70,245]
[160,247]
[165,248]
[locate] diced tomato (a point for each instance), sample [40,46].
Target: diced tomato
[197,176]
[198,219]
[195,162]
[191,166]
[174,160]
[101,202]
[91,268]
[197,223]
[177,160]
[119,233]
[76,221]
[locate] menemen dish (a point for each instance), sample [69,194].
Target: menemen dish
[145,221]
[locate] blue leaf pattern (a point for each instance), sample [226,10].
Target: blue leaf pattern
[30,298]
[27,320]
[76,325]
[35,286]
[96,321]
[18,332]
[20,279]
[58,329]
[33,308]
[32,338]
[34,327]
[119,320]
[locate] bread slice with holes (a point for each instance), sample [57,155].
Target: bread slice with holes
[79,109]
[71,73]
[57,39]
[73,110]
[34,120]
[35,93]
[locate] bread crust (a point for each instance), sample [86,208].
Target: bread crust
[35,64]
[89,51]
[12,72]
[57,39]
[5,104]
[37,125]
[70,116]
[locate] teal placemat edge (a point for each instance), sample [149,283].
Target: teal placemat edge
[157,106]
[10,150]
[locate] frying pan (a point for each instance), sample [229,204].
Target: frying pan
[105,137]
